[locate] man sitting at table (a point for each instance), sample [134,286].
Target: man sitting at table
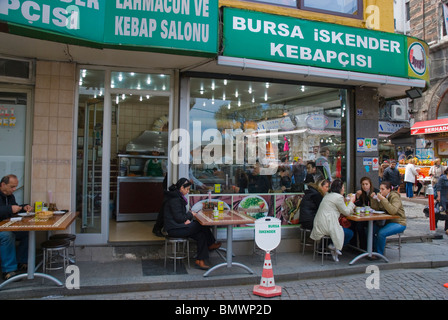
[12,264]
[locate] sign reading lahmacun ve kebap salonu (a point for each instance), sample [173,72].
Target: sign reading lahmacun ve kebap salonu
[268,37]
[188,25]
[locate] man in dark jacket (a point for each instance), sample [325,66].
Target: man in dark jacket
[8,208]
[259,183]
[392,175]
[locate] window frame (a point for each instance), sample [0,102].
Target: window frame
[359,15]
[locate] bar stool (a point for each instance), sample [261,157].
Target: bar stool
[303,233]
[55,246]
[70,237]
[178,252]
[399,245]
[323,250]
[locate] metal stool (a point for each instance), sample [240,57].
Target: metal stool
[399,245]
[70,237]
[323,250]
[303,233]
[177,253]
[55,246]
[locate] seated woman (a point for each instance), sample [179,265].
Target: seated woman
[362,200]
[326,222]
[388,201]
[178,222]
[311,201]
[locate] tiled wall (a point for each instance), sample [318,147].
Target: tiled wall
[52,132]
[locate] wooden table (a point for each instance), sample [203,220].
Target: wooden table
[229,219]
[370,218]
[32,224]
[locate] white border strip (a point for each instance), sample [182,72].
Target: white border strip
[319,72]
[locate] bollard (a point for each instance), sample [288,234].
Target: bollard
[432,217]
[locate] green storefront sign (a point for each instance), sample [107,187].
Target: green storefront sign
[261,36]
[177,25]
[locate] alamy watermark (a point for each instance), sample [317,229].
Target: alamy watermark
[73,278]
[251,147]
[373,280]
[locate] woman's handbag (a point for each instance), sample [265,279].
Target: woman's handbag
[344,222]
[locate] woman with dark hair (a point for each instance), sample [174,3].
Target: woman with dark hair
[389,201]
[362,200]
[178,222]
[327,223]
[311,201]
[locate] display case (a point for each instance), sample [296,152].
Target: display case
[139,196]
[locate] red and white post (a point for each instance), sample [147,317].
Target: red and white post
[432,216]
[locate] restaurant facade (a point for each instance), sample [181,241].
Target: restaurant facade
[100,101]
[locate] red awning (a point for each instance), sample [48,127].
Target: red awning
[430,126]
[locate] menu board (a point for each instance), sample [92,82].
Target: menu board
[282,206]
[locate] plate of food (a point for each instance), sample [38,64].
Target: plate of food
[26,214]
[204,204]
[254,206]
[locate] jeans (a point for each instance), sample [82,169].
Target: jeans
[8,252]
[389,229]
[409,189]
[348,235]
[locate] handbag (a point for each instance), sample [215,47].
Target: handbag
[344,222]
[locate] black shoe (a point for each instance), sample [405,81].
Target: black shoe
[158,233]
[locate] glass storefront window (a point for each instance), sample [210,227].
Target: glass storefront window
[89,150]
[139,81]
[247,124]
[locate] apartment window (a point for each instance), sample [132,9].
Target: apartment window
[346,8]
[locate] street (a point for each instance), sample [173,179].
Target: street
[398,284]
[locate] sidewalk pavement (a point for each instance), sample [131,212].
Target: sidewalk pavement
[421,248]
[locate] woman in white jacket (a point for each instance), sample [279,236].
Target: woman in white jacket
[410,174]
[326,222]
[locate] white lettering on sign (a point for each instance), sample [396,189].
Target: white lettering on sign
[266,27]
[130,26]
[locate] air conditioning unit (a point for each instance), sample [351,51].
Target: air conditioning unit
[399,112]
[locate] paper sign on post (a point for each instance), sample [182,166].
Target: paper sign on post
[267,233]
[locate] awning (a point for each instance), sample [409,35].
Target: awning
[430,126]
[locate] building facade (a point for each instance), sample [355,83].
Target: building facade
[96,95]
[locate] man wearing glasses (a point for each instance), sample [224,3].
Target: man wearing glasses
[13,261]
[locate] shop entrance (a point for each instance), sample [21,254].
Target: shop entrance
[122,154]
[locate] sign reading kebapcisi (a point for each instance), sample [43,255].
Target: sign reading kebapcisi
[186,25]
[268,37]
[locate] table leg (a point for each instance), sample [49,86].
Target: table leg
[229,255]
[31,264]
[218,251]
[369,252]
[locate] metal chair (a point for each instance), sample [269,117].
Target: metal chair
[60,247]
[323,250]
[177,253]
[70,237]
[303,233]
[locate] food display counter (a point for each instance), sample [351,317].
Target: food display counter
[139,197]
